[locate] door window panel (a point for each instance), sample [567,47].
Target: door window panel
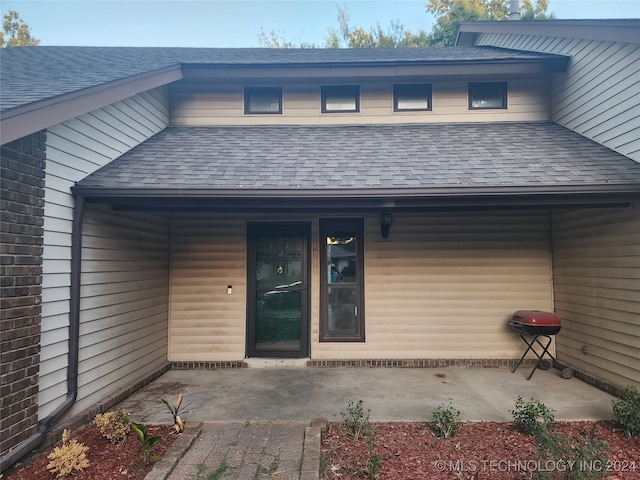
[341,280]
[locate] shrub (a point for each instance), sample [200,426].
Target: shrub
[113,426]
[578,453]
[445,421]
[532,416]
[357,423]
[69,457]
[626,411]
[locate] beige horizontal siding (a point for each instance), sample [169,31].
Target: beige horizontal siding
[441,286]
[445,286]
[207,255]
[124,314]
[199,104]
[599,95]
[597,292]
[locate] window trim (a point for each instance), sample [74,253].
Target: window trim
[505,89]
[396,90]
[324,89]
[335,226]
[252,90]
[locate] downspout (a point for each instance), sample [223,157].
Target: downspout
[74,339]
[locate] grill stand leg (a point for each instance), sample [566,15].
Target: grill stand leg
[530,344]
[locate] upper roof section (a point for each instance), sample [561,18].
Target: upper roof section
[43,86]
[33,74]
[622,30]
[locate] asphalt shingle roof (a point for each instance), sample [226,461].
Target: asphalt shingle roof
[365,157]
[32,74]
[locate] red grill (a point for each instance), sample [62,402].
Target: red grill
[533,324]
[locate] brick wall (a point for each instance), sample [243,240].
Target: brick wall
[21,217]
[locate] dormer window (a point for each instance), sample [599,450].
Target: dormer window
[340,98]
[487,95]
[262,100]
[411,97]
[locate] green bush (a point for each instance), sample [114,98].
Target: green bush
[626,411]
[357,422]
[579,453]
[445,421]
[533,417]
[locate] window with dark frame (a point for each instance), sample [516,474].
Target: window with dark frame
[342,280]
[340,98]
[412,97]
[487,95]
[263,100]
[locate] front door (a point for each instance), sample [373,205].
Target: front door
[278,293]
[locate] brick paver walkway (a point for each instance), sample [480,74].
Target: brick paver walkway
[250,451]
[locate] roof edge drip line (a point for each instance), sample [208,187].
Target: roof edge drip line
[74,340]
[439,192]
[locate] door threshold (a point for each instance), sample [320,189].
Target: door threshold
[256,362]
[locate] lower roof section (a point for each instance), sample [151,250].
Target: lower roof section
[466,164]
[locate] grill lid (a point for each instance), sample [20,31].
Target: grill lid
[536,318]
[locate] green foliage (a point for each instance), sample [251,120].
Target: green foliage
[349,36]
[580,453]
[626,411]
[15,32]
[146,442]
[178,423]
[374,464]
[445,421]
[70,457]
[537,420]
[215,475]
[449,13]
[357,423]
[113,426]
[533,416]
[273,40]
[376,37]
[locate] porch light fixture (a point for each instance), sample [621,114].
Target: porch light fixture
[386,219]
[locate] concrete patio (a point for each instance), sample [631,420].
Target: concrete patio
[259,420]
[392,394]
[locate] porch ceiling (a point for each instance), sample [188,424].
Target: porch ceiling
[382,162]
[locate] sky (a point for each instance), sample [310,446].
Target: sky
[237,23]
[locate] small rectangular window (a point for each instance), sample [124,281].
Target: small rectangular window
[342,98]
[487,95]
[411,97]
[262,100]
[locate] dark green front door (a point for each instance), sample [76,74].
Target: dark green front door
[278,283]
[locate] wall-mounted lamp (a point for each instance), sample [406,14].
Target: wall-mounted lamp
[386,219]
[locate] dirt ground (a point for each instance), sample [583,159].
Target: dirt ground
[107,461]
[482,450]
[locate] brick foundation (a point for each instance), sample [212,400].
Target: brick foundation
[591,380]
[207,365]
[22,164]
[421,363]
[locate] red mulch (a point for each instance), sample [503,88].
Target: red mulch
[107,461]
[483,450]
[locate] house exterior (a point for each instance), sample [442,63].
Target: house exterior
[193,208]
